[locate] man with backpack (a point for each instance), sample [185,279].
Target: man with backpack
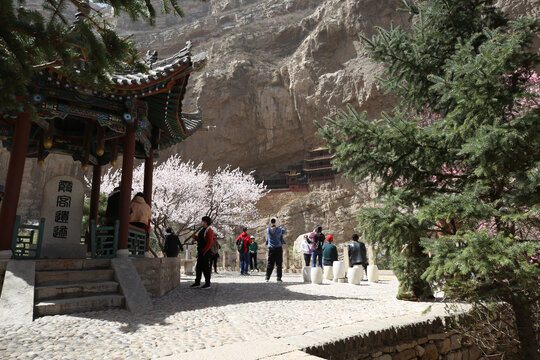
[172,244]
[275,242]
[243,242]
[317,245]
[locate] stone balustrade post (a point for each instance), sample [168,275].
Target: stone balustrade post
[346,256]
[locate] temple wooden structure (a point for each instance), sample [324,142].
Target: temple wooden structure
[140,115]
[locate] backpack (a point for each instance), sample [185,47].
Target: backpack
[318,242]
[240,245]
[215,248]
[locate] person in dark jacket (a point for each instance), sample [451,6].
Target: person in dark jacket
[329,252]
[172,244]
[318,241]
[357,253]
[244,242]
[253,255]
[112,213]
[215,256]
[205,241]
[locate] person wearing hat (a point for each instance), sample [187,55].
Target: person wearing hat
[329,252]
[306,249]
[243,242]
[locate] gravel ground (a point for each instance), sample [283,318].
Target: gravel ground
[235,309]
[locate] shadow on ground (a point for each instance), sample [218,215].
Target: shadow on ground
[183,298]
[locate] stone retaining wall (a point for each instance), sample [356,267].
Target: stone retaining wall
[159,275]
[3,266]
[428,340]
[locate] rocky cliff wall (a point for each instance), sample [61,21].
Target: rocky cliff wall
[273,67]
[332,206]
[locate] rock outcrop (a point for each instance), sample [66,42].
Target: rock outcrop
[334,207]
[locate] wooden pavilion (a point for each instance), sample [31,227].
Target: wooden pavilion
[139,116]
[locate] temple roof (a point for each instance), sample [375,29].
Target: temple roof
[153,99]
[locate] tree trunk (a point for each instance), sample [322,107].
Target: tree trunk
[525,328]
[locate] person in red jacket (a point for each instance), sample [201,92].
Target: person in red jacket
[205,240]
[243,242]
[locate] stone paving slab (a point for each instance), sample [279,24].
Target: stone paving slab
[254,349]
[238,313]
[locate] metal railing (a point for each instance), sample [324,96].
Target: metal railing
[136,242]
[104,240]
[27,239]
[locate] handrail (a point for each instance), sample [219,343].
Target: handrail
[22,249]
[104,240]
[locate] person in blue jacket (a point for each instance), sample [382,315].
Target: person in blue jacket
[274,241]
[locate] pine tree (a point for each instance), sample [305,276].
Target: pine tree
[86,50]
[457,161]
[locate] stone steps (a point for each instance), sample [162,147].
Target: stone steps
[62,277]
[70,286]
[74,290]
[72,264]
[80,304]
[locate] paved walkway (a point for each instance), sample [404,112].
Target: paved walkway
[237,314]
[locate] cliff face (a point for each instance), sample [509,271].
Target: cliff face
[273,67]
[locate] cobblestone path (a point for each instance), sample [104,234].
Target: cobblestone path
[235,309]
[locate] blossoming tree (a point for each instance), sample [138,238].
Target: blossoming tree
[183,193]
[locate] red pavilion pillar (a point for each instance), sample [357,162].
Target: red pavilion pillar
[125,189]
[94,197]
[14,181]
[148,173]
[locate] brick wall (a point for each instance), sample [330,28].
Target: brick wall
[430,340]
[160,275]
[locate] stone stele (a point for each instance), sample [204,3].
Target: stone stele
[62,208]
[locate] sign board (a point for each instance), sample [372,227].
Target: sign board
[62,208]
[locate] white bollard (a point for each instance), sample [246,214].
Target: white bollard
[328,272]
[306,273]
[373,273]
[316,275]
[362,273]
[339,270]
[354,275]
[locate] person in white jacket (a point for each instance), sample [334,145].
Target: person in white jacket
[306,249]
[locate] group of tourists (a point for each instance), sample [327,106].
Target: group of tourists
[247,251]
[317,248]
[319,253]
